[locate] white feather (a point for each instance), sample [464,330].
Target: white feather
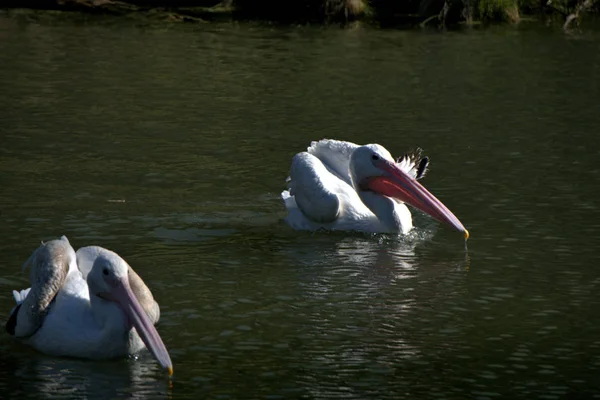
[75,326]
[321,194]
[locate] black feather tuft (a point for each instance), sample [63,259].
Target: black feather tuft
[12,321]
[418,165]
[422,168]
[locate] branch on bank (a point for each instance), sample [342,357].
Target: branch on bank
[583,6]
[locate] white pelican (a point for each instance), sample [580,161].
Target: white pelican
[340,185]
[85,305]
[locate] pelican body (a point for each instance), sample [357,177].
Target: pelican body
[90,304]
[337,185]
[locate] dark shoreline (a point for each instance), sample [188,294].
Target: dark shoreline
[439,14]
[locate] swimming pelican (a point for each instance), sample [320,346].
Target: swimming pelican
[340,185]
[86,305]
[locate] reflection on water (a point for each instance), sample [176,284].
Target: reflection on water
[38,376]
[367,312]
[171,145]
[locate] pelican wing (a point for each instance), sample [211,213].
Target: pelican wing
[314,188]
[335,154]
[49,269]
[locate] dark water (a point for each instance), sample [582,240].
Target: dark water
[171,144]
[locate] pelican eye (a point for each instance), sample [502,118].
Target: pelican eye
[375,157]
[105,271]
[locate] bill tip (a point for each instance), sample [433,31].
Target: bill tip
[170,370]
[466,234]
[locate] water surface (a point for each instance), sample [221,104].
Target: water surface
[171,145]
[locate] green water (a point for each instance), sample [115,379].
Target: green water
[170,145]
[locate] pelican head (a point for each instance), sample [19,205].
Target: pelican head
[109,280]
[373,169]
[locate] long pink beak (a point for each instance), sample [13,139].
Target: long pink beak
[124,296]
[405,188]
